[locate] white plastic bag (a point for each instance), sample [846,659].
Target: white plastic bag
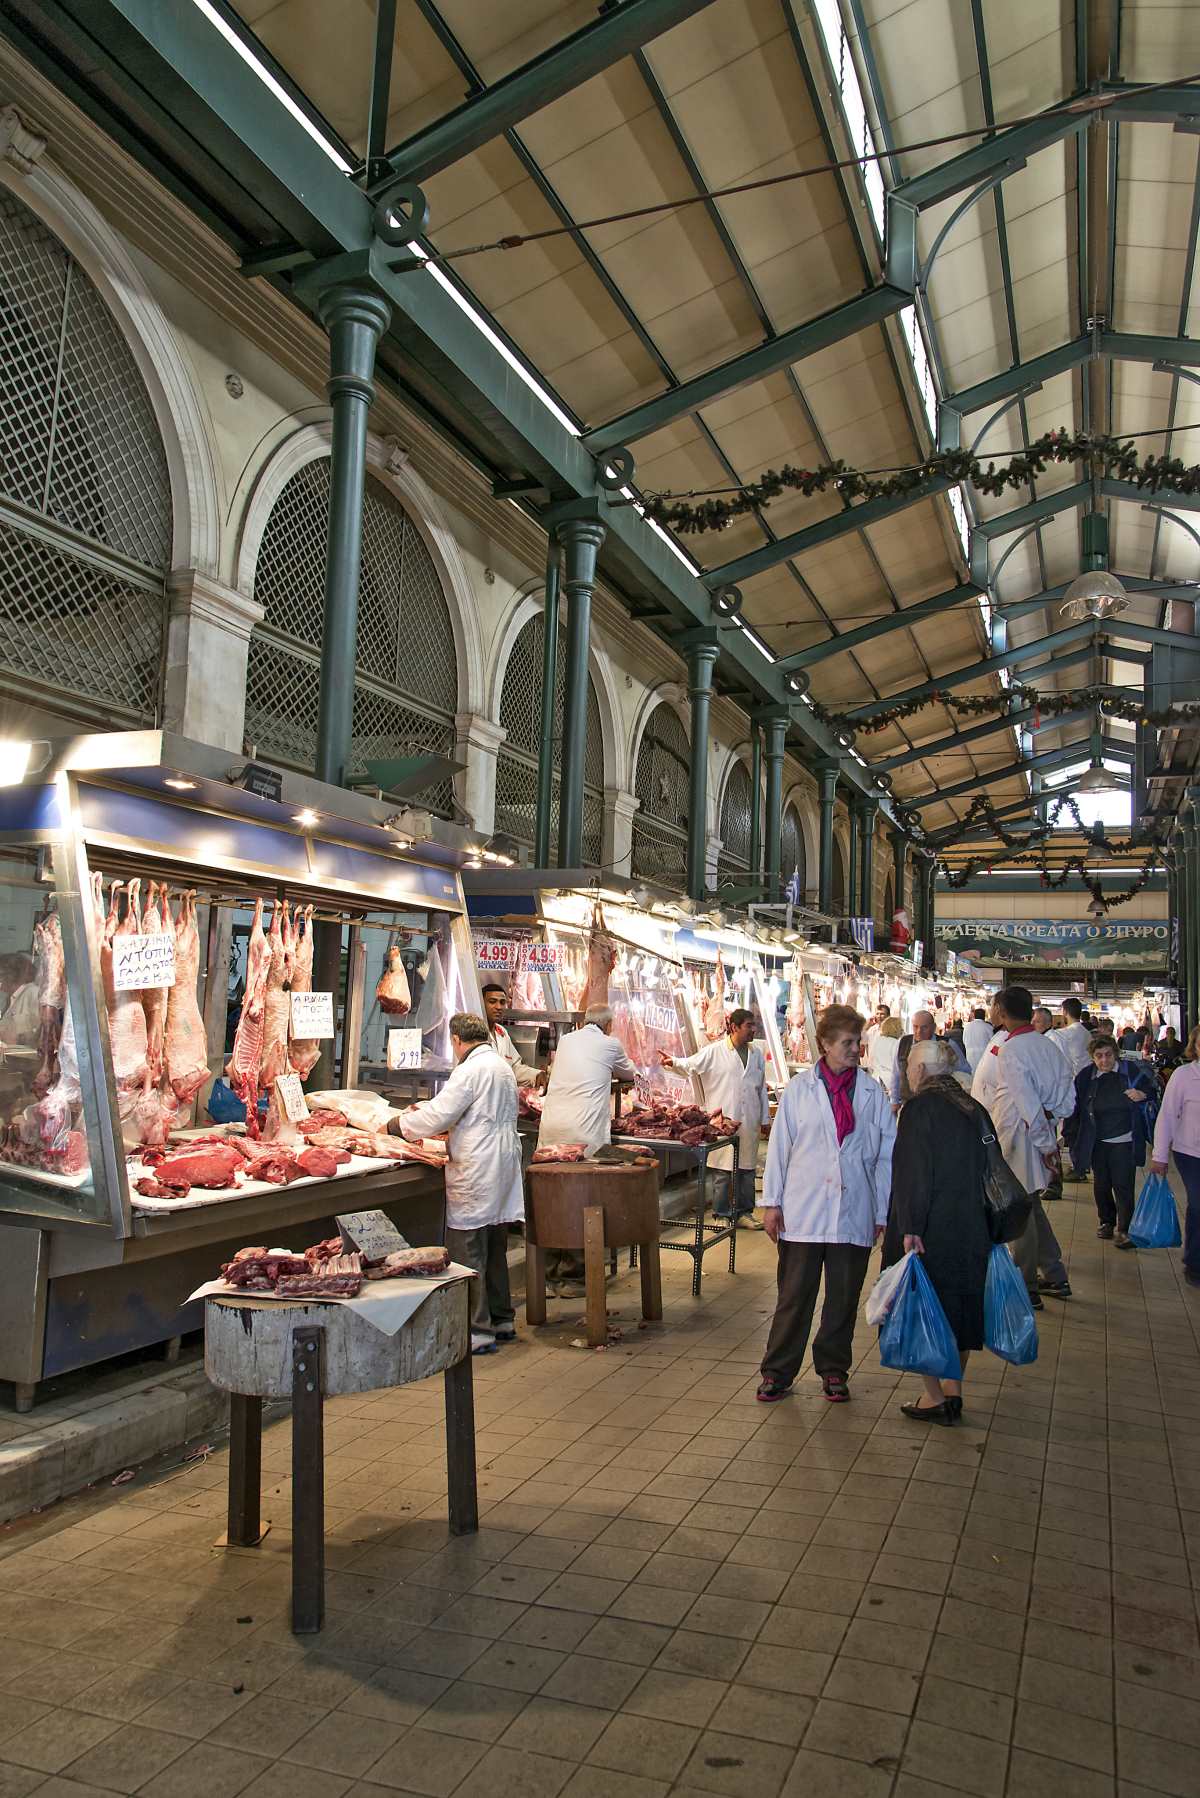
[885,1289]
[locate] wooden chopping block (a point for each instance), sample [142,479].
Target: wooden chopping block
[593,1206]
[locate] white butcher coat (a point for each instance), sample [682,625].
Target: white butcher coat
[1033,1079]
[740,1092]
[1074,1040]
[827,1193]
[505,1047]
[478,1106]
[983,1086]
[578,1104]
[977,1040]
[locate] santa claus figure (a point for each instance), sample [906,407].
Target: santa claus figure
[901,932]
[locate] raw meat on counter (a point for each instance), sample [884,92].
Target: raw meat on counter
[209,1164]
[327,1270]
[319,1286]
[560,1151]
[686,1124]
[245,1063]
[321,1119]
[392,992]
[323,1164]
[404,1263]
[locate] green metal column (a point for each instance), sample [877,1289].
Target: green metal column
[775,728]
[756,803]
[355,318]
[546,747]
[866,852]
[852,907]
[702,659]
[1176,949]
[928,913]
[899,843]
[581,539]
[827,776]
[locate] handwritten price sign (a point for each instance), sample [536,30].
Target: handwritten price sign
[497,956]
[312,1015]
[403,1049]
[543,958]
[290,1094]
[643,1092]
[141,961]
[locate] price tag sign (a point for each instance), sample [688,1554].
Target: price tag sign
[643,1092]
[372,1233]
[312,1015]
[542,958]
[290,1094]
[141,961]
[497,955]
[403,1049]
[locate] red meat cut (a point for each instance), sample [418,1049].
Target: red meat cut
[322,1163]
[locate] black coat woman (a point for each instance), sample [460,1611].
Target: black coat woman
[937,1209]
[1116,1103]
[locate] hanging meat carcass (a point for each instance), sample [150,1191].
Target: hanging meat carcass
[392,991]
[154,998]
[126,1015]
[303,1052]
[245,1063]
[714,1011]
[50,972]
[797,1039]
[185,1044]
[602,959]
[278,999]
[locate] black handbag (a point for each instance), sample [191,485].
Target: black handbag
[1006,1204]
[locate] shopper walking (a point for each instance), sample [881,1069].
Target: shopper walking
[977,1037]
[1034,1091]
[1178,1132]
[1116,1102]
[937,1208]
[885,1046]
[825,1203]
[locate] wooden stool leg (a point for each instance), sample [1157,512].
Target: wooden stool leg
[244,1528]
[308,1482]
[535,1283]
[651,1282]
[460,1449]
[594,1263]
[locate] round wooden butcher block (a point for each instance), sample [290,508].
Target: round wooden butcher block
[559,1192]
[248,1343]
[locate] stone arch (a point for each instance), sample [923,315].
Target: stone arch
[529,605]
[800,797]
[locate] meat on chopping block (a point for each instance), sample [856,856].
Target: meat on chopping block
[392,991]
[403,1263]
[244,1068]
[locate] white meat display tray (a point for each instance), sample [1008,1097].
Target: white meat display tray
[251,1189]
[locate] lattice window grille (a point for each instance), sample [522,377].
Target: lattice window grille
[791,848]
[661,779]
[85,493]
[737,813]
[659,853]
[406,684]
[517,763]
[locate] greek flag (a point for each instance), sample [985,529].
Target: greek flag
[863,932]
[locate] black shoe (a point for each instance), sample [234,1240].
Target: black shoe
[1105,1232]
[1055,1289]
[954,1406]
[1035,1301]
[929,1413]
[834,1386]
[769,1389]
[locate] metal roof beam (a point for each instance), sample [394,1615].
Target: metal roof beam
[558,71]
[877,627]
[1079,750]
[1133,583]
[1021,517]
[1004,721]
[852,316]
[1011,658]
[1006,148]
[1018,808]
[826,530]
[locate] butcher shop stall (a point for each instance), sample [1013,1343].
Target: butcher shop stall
[240,974]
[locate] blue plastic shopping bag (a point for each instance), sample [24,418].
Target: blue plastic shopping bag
[1009,1329]
[916,1336]
[1155,1221]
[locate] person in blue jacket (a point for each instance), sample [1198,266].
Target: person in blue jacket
[1116,1102]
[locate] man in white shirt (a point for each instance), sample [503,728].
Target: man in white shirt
[578,1108]
[495,1000]
[733,1073]
[977,1038]
[1073,1038]
[1035,1090]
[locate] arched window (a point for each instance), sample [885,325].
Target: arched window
[406,686]
[661,784]
[791,850]
[734,829]
[839,880]
[517,763]
[85,493]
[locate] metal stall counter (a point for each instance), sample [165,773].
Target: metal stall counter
[138,871]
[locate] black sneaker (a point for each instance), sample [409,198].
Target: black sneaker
[1055,1289]
[1035,1301]
[1105,1232]
[770,1389]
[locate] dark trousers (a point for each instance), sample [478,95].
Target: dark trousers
[745,1192]
[486,1252]
[801,1265]
[1112,1183]
[1036,1248]
[1189,1171]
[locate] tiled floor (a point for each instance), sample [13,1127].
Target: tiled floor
[675,1590]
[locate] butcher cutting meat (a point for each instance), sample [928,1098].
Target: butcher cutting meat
[734,1076]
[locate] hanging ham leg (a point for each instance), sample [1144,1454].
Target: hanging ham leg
[245,1063]
[392,991]
[602,959]
[714,1011]
[278,997]
[126,1017]
[154,998]
[303,1052]
[185,1044]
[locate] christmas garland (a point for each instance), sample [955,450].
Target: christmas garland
[981,810]
[1110,456]
[1045,705]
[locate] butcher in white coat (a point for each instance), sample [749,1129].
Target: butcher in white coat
[484,1190]
[495,1000]
[733,1074]
[1035,1089]
[825,1203]
[578,1108]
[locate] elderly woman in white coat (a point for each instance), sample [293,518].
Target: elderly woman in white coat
[825,1203]
[484,1188]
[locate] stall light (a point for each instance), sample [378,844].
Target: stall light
[14,761]
[403,842]
[181,786]
[306,818]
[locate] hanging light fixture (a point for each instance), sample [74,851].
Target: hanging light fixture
[1095,592]
[1098,779]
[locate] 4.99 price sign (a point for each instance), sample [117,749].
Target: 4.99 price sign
[542,958]
[497,955]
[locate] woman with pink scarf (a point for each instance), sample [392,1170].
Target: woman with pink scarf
[825,1203]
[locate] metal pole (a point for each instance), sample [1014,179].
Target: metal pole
[581,539]
[899,844]
[702,659]
[756,802]
[929,875]
[866,853]
[827,774]
[852,908]
[545,788]
[355,319]
[776,733]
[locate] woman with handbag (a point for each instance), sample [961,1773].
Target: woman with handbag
[938,1208]
[1116,1103]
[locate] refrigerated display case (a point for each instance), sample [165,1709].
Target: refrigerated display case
[139,1011]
